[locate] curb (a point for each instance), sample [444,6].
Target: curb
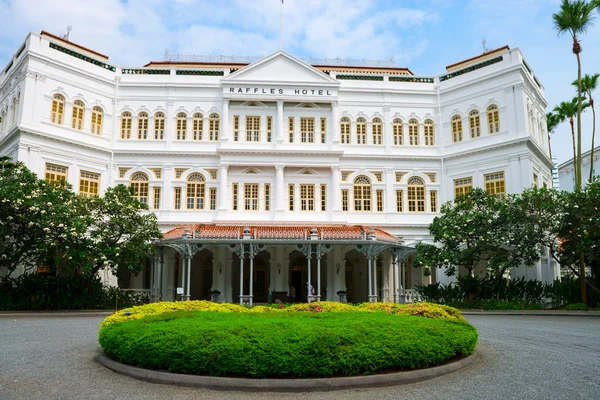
[536,313]
[55,314]
[283,385]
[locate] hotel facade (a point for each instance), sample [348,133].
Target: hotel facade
[276,173]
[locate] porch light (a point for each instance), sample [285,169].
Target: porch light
[220,266]
[337,268]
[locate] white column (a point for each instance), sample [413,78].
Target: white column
[279,189]
[167,194]
[370,278]
[169,122]
[189,276]
[335,123]
[280,125]
[308,284]
[225,120]
[390,194]
[335,190]
[375,289]
[242,279]
[223,188]
[251,274]
[319,277]
[388,140]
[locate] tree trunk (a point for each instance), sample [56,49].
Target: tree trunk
[582,279]
[574,152]
[578,182]
[593,136]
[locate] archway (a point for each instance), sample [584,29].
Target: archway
[260,277]
[201,275]
[298,276]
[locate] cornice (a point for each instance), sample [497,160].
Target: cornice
[307,152]
[70,68]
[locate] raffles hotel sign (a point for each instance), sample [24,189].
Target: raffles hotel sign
[243,91]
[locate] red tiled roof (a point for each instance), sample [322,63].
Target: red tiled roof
[477,56]
[72,44]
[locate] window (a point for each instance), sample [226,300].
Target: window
[179,172]
[397,132]
[139,184]
[493,119]
[323,130]
[291,129]
[413,132]
[399,176]
[494,184]
[55,173]
[428,130]
[234,197]
[58,109]
[267,197]
[307,197]
[251,196]
[214,174]
[195,191]
[178,198]
[269,129]
[307,130]
[123,171]
[156,204]
[432,176]
[399,200]
[361,131]
[126,125]
[345,130]
[378,175]
[457,129]
[362,193]
[462,186]
[159,126]
[379,197]
[323,197]
[345,195]
[78,111]
[416,195]
[433,198]
[214,126]
[213,198]
[15,109]
[252,129]
[181,123]
[535,180]
[197,126]
[474,124]
[142,125]
[97,115]
[291,196]
[236,128]
[377,132]
[88,183]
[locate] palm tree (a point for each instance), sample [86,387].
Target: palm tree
[576,17]
[552,122]
[588,85]
[568,110]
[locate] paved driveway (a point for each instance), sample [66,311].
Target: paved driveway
[522,357]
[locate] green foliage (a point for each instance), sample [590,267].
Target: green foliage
[279,344]
[576,307]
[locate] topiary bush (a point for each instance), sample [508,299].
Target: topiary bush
[285,344]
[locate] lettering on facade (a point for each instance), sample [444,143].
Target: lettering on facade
[280,91]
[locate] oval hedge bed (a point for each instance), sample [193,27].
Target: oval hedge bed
[286,344]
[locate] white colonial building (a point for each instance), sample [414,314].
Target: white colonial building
[566,171]
[259,172]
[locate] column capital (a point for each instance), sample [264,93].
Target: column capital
[335,168]
[223,166]
[279,167]
[280,102]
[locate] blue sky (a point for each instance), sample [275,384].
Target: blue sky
[423,35]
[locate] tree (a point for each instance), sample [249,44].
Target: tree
[588,85]
[576,17]
[552,122]
[568,110]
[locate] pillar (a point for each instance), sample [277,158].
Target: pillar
[375,287]
[279,189]
[335,190]
[308,284]
[335,122]
[280,125]
[319,276]
[242,278]
[188,277]
[223,206]
[251,274]
[225,120]
[370,279]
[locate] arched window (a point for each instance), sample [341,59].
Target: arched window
[159,126]
[126,125]
[143,125]
[377,131]
[457,134]
[362,193]
[15,109]
[474,124]
[214,126]
[139,184]
[58,109]
[398,132]
[195,191]
[197,126]
[78,111]
[2,121]
[493,117]
[416,194]
[97,115]
[361,131]
[413,132]
[429,134]
[345,130]
[181,123]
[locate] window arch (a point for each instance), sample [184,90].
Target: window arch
[416,194]
[398,132]
[377,131]
[195,191]
[15,108]
[474,124]
[159,126]
[58,109]
[493,119]
[361,131]
[413,132]
[214,126]
[428,133]
[78,111]
[2,121]
[139,184]
[181,122]
[126,125]
[97,116]
[362,193]
[143,125]
[345,130]
[457,134]
[197,126]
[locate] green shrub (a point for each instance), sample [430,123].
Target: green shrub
[282,344]
[576,307]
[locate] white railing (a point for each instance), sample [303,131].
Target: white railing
[411,296]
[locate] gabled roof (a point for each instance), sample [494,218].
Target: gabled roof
[468,61]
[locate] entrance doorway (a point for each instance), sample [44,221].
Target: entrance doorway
[299,275]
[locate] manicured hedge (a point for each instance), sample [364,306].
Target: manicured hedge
[282,344]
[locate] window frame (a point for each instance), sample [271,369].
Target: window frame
[57,109]
[78,115]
